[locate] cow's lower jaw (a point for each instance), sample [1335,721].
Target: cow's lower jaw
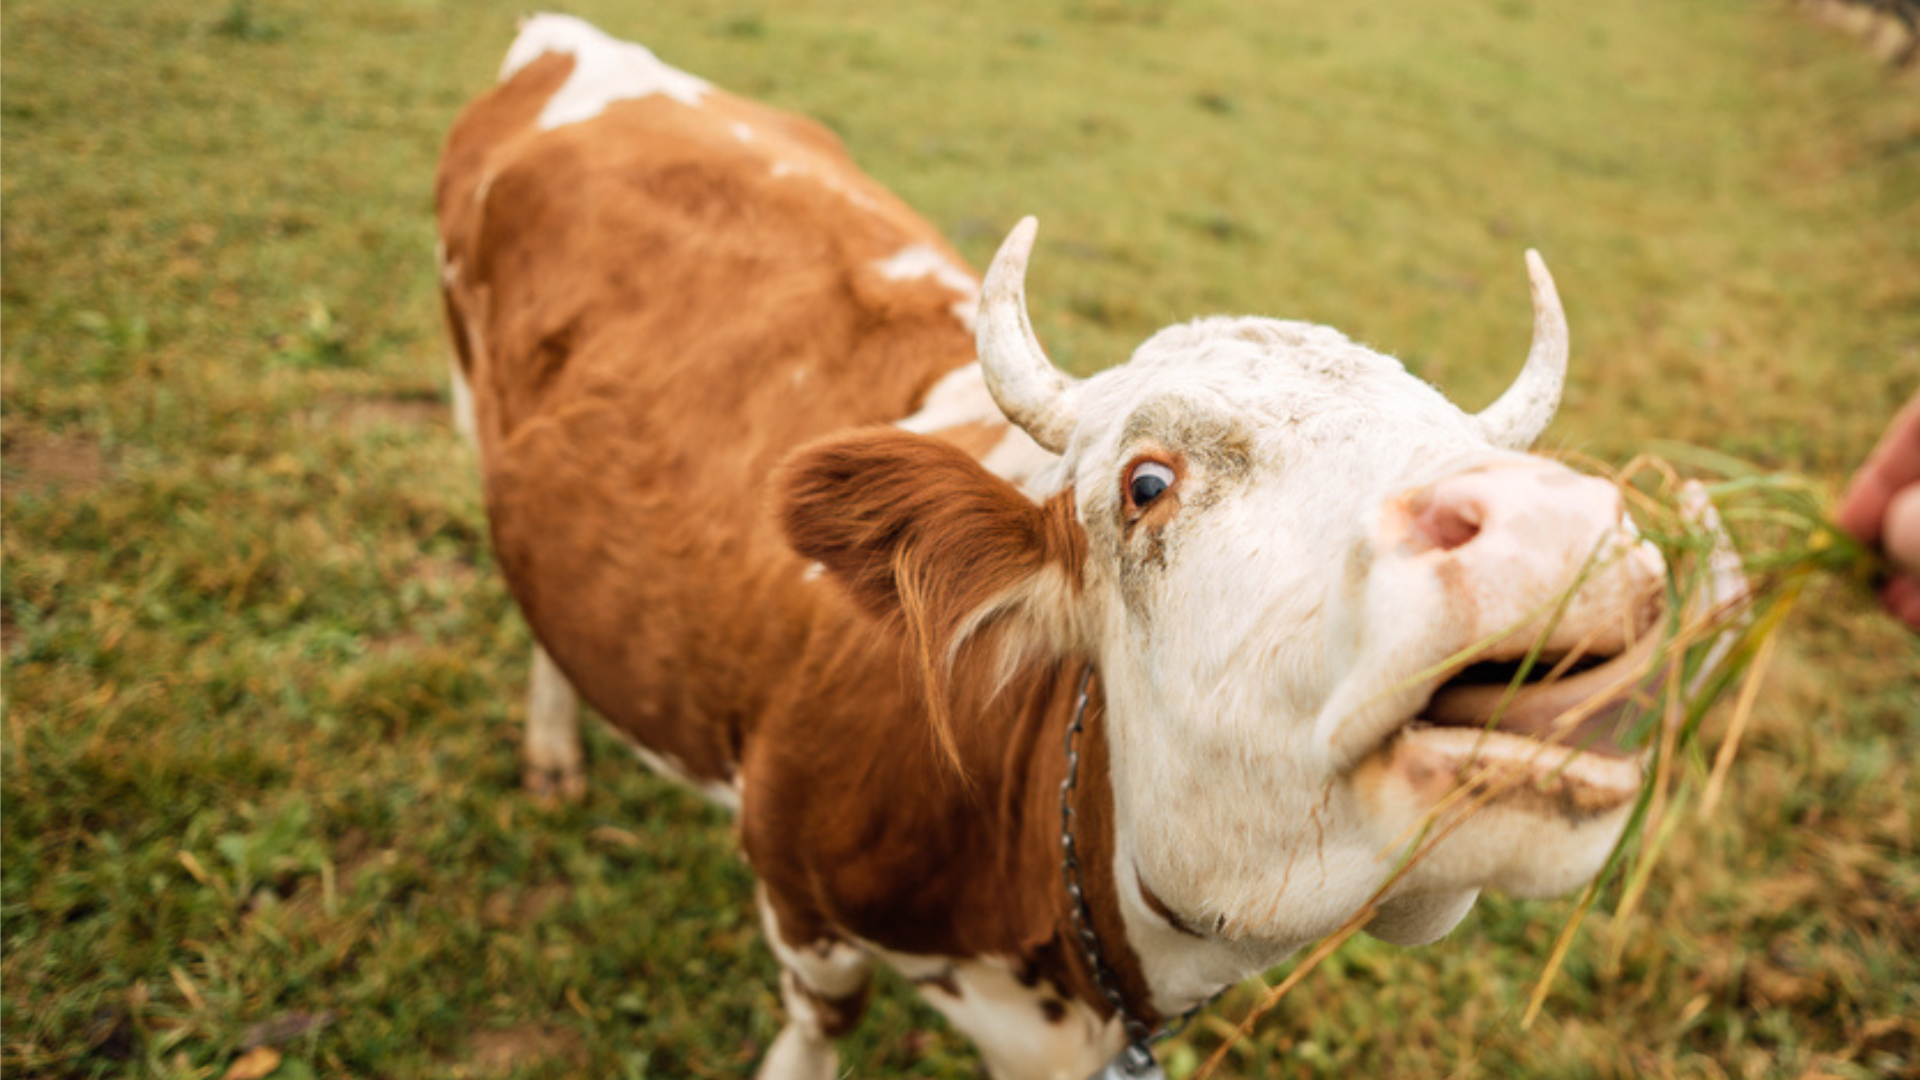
[1448,774]
[1523,791]
[1480,811]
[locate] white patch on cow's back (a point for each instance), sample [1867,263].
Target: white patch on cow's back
[920,260]
[925,260]
[723,794]
[1021,1031]
[848,192]
[605,70]
[742,131]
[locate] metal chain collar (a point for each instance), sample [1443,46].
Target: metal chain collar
[1136,1058]
[1103,977]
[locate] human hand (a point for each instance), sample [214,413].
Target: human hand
[1882,507]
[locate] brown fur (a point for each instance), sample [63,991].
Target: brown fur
[650,322]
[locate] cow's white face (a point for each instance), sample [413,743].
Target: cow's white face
[1269,608]
[1291,543]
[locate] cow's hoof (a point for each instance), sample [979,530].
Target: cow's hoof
[555,784]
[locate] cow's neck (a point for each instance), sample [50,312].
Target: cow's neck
[1160,964]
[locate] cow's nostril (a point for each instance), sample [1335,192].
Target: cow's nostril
[1445,518]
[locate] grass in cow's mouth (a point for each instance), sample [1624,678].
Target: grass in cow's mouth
[1773,527]
[1784,541]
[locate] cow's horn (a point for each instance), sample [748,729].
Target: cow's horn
[1525,410]
[1024,383]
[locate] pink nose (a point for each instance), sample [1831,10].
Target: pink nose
[1447,515]
[1505,542]
[1529,506]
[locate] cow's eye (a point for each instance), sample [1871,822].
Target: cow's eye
[1148,481]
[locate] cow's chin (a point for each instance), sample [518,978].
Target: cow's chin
[1530,803]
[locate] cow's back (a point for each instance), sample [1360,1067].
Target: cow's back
[652,303]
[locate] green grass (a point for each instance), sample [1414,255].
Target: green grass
[262,683]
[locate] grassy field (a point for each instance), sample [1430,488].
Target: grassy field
[262,683]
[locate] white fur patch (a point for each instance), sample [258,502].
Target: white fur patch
[961,397]
[1024,1031]
[605,70]
[833,969]
[830,969]
[923,260]
[463,414]
[852,194]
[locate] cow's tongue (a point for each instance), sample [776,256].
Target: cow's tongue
[1603,697]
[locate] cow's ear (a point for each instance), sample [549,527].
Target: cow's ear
[918,531]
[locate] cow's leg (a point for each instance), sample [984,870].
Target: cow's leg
[1024,1029]
[552,750]
[823,984]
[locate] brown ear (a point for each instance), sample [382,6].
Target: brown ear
[915,529]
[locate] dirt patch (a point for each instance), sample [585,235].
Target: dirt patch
[405,409]
[521,908]
[43,463]
[395,646]
[497,1053]
[442,570]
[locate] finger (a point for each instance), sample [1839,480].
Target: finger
[1902,599]
[1900,530]
[1894,464]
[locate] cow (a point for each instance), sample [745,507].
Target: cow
[1075,700]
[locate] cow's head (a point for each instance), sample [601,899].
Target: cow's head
[1278,547]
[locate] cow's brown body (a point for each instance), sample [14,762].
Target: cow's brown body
[651,315]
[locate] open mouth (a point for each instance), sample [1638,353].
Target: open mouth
[1587,703]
